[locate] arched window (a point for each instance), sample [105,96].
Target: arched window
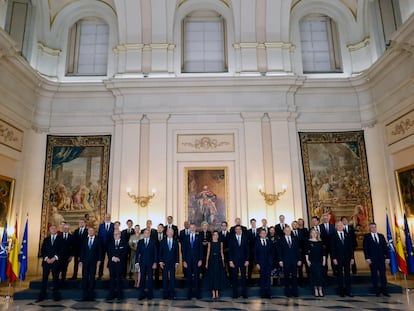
[204,48]
[320,44]
[88,48]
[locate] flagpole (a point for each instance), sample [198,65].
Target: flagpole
[9,292]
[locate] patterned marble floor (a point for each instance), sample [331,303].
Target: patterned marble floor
[396,302]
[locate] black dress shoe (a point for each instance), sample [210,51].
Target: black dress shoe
[350,295]
[386,294]
[40,299]
[378,294]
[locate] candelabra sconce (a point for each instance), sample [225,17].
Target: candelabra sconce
[142,201]
[271,198]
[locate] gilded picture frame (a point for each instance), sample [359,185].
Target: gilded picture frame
[405,183]
[336,178]
[6,199]
[206,195]
[76,181]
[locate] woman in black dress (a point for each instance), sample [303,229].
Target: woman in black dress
[316,259]
[216,278]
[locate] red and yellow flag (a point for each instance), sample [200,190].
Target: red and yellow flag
[13,260]
[399,251]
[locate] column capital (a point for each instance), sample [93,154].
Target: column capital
[252,116]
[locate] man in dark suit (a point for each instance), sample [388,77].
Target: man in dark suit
[105,234]
[280,227]
[264,258]
[224,236]
[170,225]
[50,252]
[289,259]
[237,222]
[157,271]
[169,260]
[125,235]
[253,235]
[327,230]
[79,235]
[349,230]
[184,233]
[66,253]
[377,257]
[89,260]
[192,254]
[153,232]
[117,249]
[239,260]
[298,234]
[146,259]
[342,253]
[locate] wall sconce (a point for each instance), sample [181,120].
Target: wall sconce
[141,200]
[271,198]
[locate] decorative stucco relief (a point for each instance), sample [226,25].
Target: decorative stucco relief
[196,143]
[11,136]
[400,128]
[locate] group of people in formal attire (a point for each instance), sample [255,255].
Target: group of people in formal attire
[215,258]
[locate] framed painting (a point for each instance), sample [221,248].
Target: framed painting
[76,180]
[206,195]
[6,199]
[405,183]
[336,177]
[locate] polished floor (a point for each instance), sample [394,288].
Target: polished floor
[403,301]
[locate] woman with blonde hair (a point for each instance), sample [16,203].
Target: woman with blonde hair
[316,259]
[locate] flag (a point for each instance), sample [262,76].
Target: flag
[13,261]
[408,246]
[3,255]
[23,253]
[402,264]
[391,250]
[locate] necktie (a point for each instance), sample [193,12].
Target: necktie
[317,228]
[186,231]
[53,239]
[107,227]
[117,243]
[282,226]
[289,242]
[159,236]
[224,233]
[342,237]
[346,229]
[169,244]
[90,243]
[295,232]
[254,232]
[81,231]
[263,242]
[238,240]
[192,240]
[327,228]
[376,238]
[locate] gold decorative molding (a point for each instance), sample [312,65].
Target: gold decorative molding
[359,45]
[201,143]
[11,136]
[48,50]
[400,128]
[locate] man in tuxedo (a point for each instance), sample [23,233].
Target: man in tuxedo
[377,257]
[298,234]
[349,230]
[117,249]
[157,271]
[239,259]
[146,259]
[50,254]
[253,235]
[125,235]
[105,234]
[264,258]
[342,253]
[224,236]
[237,222]
[280,227]
[170,225]
[79,235]
[153,232]
[184,233]
[169,260]
[192,254]
[327,230]
[89,260]
[66,253]
[289,259]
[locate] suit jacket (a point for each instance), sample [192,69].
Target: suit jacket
[78,240]
[352,235]
[302,239]
[67,246]
[224,239]
[342,252]
[119,251]
[104,236]
[158,240]
[279,230]
[182,235]
[175,229]
[146,256]
[192,254]
[169,257]
[125,235]
[288,255]
[239,254]
[264,255]
[326,236]
[90,256]
[153,233]
[48,250]
[377,252]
